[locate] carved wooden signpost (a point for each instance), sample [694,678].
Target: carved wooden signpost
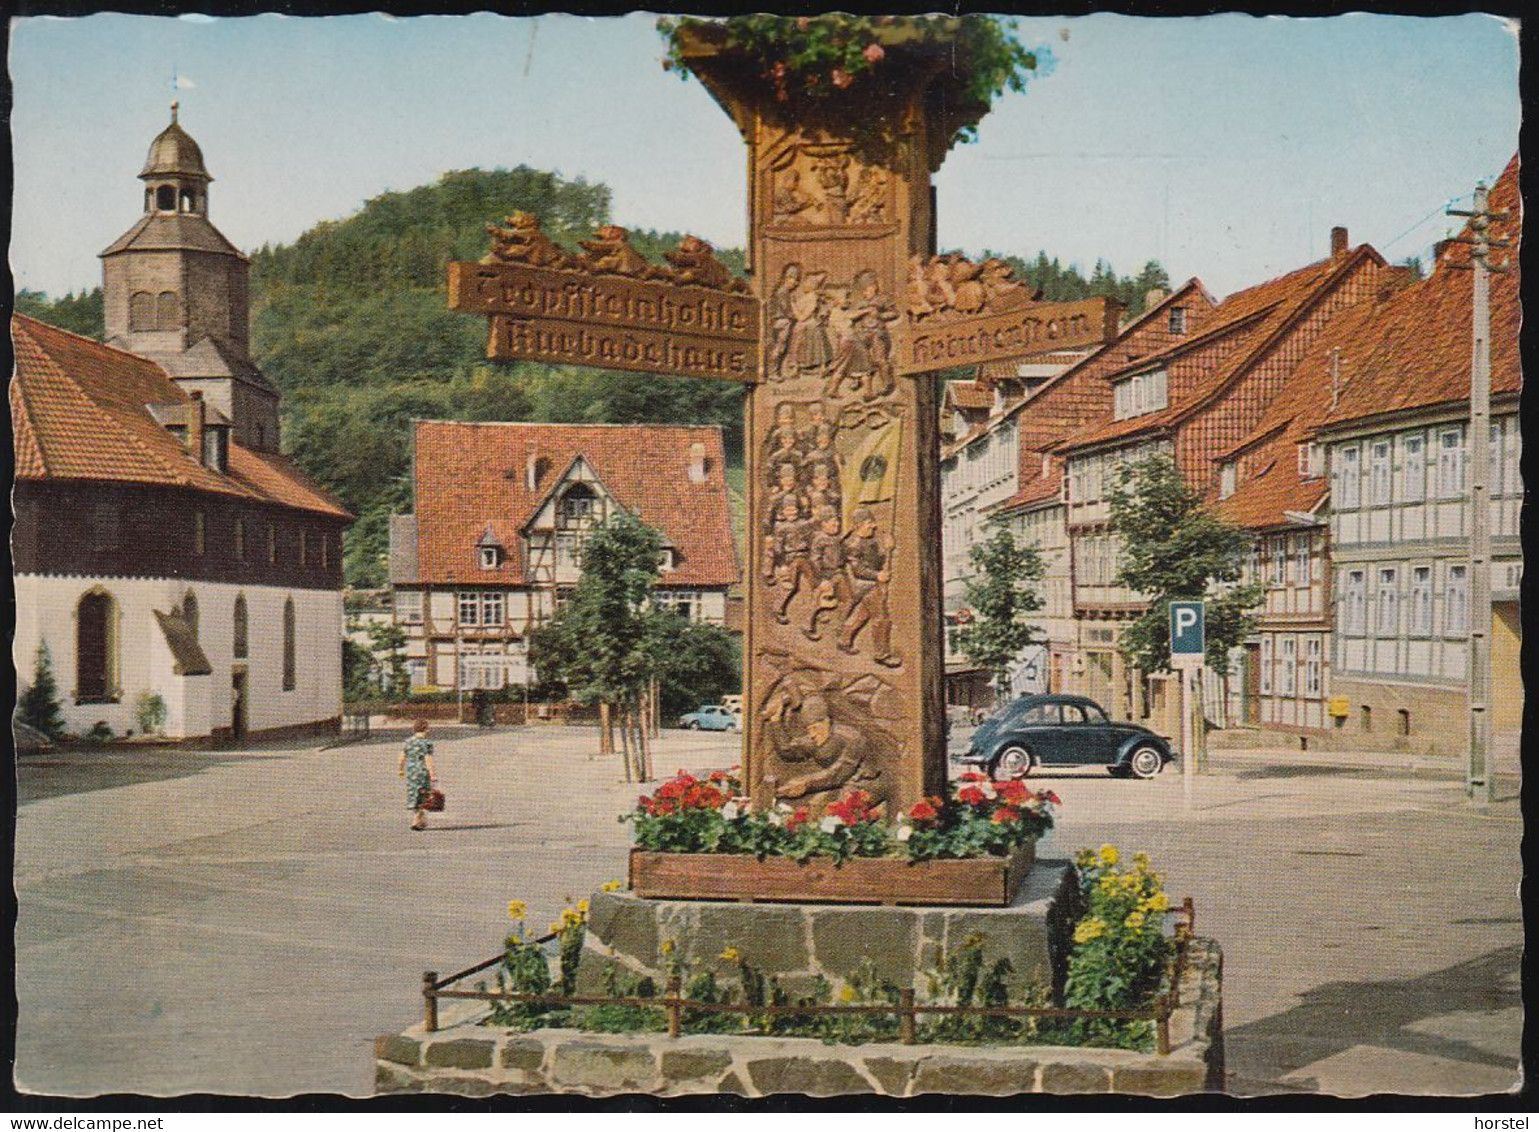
[843,643]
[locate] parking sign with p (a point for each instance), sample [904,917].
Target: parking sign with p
[1188,633]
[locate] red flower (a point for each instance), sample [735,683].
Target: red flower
[923,811]
[839,78]
[1048,796]
[1013,792]
[873,53]
[972,796]
[974,776]
[799,817]
[854,807]
[1004,816]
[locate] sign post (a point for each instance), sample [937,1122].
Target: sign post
[1188,643]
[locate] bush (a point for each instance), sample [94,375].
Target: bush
[38,706]
[150,713]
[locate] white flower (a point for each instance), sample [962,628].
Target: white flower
[829,824]
[988,789]
[775,817]
[905,832]
[729,812]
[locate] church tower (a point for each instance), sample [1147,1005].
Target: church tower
[176,292]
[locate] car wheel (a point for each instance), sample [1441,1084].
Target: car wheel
[1012,762]
[692,725]
[1145,762]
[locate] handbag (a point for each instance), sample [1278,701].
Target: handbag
[432,800]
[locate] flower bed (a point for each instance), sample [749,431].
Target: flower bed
[699,838]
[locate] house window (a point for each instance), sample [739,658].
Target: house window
[683,602]
[241,628]
[288,645]
[1497,463]
[1312,685]
[1255,562]
[1309,460]
[1301,560]
[416,672]
[240,540]
[1178,320]
[1387,605]
[577,505]
[408,607]
[492,608]
[1346,496]
[1266,666]
[1355,598]
[216,449]
[96,648]
[1378,473]
[1142,393]
[470,607]
[199,533]
[1456,622]
[1287,666]
[1413,469]
[141,311]
[1226,479]
[1510,450]
[491,557]
[1421,601]
[1279,561]
[1450,464]
[666,559]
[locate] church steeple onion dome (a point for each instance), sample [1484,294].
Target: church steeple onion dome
[173,153]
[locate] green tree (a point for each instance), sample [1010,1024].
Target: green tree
[357,672]
[596,645]
[694,663]
[387,643]
[38,706]
[1176,549]
[1001,593]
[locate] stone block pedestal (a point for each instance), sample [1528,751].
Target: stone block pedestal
[798,942]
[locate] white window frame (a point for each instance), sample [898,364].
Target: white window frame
[1456,602]
[1266,666]
[1287,665]
[1450,463]
[1354,594]
[1498,465]
[1421,601]
[408,607]
[1226,479]
[1413,468]
[1279,576]
[1348,497]
[1301,560]
[1379,472]
[1386,603]
[493,608]
[1313,685]
[491,557]
[468,604]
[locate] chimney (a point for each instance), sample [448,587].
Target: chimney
[532,471]
[697,462]
[1338,241]
[1154,296]
[197,418]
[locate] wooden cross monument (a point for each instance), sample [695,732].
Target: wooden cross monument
[849,312]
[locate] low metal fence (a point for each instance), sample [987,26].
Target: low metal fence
[907,1009]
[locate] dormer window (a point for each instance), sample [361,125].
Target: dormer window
[667,559]
[1142,393]
[1311,461]
[1226,479]
[491,557]
[577,505]
[1178,320]
[216,448]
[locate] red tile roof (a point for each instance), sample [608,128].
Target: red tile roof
[1246,326]
[79,411]
[1274,488]
[473,476]
[1416,353]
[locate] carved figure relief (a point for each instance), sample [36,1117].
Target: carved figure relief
[951,284]
[694,263]
[820,184]
[609,252]
[522,240]
[820,730]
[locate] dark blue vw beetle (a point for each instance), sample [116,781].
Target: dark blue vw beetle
[1057,730]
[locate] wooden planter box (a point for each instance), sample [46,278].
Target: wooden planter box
[983,881]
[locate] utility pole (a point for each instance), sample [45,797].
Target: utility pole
[1480,773]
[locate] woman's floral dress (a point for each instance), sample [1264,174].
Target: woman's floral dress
[417,781]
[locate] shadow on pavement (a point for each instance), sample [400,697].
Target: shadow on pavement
[59,773]
[1335,1017]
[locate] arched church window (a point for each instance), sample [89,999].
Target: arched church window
[288,645]
[166,315]
[141,311]
[188,200]
[96,648]
[165,198]
[240,627]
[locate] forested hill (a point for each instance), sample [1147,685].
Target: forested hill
[351,321]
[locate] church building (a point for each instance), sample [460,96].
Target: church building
[185,577]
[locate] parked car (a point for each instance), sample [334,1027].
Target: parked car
[711,717]
[1058,730]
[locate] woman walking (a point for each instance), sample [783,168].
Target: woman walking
[416,767]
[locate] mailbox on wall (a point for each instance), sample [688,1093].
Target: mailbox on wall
[1338,707]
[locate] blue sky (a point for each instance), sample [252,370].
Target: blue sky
[1225,146]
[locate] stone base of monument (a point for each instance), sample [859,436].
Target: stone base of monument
[466,1059]
[797,942]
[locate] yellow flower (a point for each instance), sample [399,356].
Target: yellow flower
[570,918]
[731,955]
[1159,902]
[517,909]
[1085,858]
[555,928]
[582,906]
[1135,920]
[846,993]
[1092,927]
[1109,856]
[1141,862]
[613,885]
[668,946]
